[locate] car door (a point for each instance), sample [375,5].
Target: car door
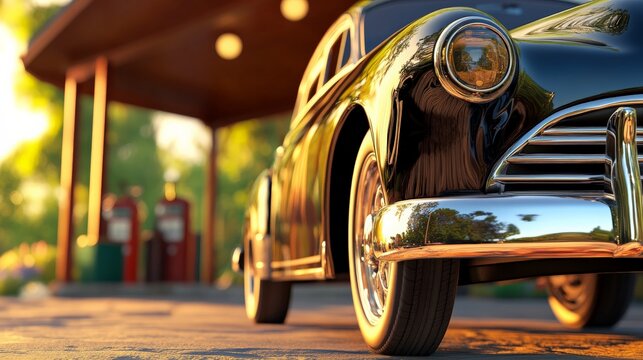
[296,202]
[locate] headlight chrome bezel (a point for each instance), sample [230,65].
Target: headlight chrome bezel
[444,69]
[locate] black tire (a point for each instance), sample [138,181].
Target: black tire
[419,296]
[590,300]
[266,301]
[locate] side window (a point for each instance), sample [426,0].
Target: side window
[338,55]
[346,51]
[325,63]
[333,58]
[313,88]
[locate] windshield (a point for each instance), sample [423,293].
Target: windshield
[384,19]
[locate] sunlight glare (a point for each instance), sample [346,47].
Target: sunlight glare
[186,138]
[18,123]
[45,3]
[35,195]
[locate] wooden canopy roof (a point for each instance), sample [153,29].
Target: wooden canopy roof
[161,53]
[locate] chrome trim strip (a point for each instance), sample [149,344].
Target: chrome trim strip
[309,260]
[552,178]
[237,260]
[625,174]
[562,159]
[496,225]
[559,159]
[570,140]
[584,249]
[299,275]
[551,120]
[582,131]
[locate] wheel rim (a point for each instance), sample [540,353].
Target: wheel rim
[572,291]
[372,276]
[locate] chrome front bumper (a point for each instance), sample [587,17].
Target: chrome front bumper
[501,226]
[565,225]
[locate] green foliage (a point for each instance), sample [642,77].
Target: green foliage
[25,263]
[245,149]
[133,158]
[28,206]
[10,286]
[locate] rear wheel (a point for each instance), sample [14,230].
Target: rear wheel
[403,308]
[590,300]
[266,301]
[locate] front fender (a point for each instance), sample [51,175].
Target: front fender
[427,142]
[430,144]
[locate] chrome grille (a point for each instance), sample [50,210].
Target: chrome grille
[566,151]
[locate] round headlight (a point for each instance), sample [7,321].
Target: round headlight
[474,59]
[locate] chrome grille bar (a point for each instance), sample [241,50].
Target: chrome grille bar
[551,146]
[558,159]
[562,131]
[624,173]
[572,140]
[553,178]
[561,159]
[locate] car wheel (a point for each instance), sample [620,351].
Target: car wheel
[266,301]
[590,300]
[403,308]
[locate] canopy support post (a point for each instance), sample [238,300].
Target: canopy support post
[97,166]
[208,246]
[67,181]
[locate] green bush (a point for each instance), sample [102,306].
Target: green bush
[26,263]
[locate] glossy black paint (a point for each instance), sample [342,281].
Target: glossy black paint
[586,53]
[429,143]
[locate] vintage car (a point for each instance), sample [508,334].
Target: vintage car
[431,147]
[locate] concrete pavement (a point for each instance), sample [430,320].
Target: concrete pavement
[320,325]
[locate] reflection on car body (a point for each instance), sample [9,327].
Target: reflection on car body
[431,147]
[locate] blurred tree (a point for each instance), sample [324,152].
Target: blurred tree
[28,206]
[31,173]
[133,159]
[245,149]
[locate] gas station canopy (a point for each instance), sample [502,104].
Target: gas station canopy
[217,60]
[161,53]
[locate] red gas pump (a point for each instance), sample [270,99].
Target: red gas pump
[123,228]
[173,227]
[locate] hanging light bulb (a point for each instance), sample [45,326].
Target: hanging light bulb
[228,46]
[294,10]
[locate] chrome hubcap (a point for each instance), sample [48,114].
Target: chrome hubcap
[372,276]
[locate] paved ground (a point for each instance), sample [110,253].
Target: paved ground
[321,324]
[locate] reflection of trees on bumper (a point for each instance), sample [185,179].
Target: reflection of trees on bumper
[442,225]
[415,228]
